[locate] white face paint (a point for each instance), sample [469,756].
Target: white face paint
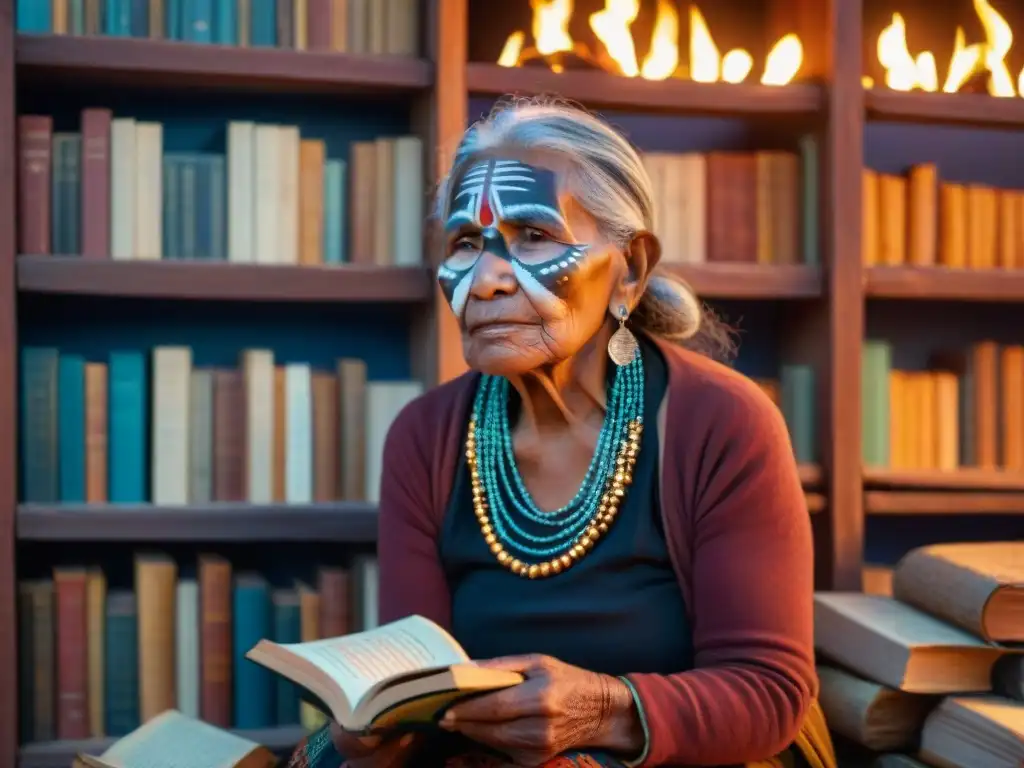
[507,191]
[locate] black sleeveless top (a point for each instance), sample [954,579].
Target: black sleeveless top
[619,610]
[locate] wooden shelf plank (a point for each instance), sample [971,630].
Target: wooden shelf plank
[60,754]
[343,522]
[599,89]
[944,284]
[222,281]
[75,60]
[751,281]
[952,108]
[942,503]
[810,475]
[965,478]
[816,502]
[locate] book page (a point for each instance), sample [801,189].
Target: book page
[356,663]
[172,740]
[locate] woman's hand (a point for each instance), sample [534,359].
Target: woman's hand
[557,708]
[372,751]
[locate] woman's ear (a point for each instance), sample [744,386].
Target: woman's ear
[642,254]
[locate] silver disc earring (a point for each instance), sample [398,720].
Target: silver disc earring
[623,346]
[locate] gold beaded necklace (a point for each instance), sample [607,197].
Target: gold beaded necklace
[607,509]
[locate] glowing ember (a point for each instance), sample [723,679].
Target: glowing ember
[905,72]
[611,27]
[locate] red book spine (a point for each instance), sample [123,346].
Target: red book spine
[35,139]
[335,602]
[320,20]
[96,183]
[72,657]
[215,641]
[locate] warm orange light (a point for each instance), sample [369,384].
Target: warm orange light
[611,26]
[905,72]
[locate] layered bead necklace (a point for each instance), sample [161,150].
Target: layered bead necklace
[502,503]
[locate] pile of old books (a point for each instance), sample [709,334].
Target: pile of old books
[934,674]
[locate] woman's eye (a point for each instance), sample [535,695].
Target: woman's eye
[532,235]
[464,244]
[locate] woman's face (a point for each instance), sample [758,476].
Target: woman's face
[525,269]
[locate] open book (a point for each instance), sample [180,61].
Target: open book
[982,732]
[171,740]
[402,673]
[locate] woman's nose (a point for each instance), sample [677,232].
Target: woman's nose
[492,277]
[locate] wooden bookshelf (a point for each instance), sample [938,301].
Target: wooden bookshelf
[943,283]
[830,101]
[341,522]
[679,96]
[60,754]
[223,281]
[112,61]
[751,281]
[944,108]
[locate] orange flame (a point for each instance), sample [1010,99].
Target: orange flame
[905,72]
[611,27]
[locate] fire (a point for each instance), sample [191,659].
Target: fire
[905,72]
[611,27]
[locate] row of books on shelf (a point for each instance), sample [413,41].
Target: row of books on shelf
[110,190]
[967,410]
[98,661]
[343,26]
[934,673]
[169,432]
[754,207]
[917,220]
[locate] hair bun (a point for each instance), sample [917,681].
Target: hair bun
[669,309]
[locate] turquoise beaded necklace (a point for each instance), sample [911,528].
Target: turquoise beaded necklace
[503,503]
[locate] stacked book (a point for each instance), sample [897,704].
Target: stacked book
[795,395]
[110,190]
[916,220]
[98,661]
[261,433]
[736,207]
[965,410]
[344,26]
[930,674]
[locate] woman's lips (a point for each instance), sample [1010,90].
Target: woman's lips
[497,328]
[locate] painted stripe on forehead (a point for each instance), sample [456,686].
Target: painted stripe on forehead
[494,189]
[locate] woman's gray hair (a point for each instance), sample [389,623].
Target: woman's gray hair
[608,179]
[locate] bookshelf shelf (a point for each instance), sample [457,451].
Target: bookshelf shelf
[810,475]
[968,478]
[942,503]
[678,96]
[222,281]
[944,284]
[343,522]
[953,108]
[60,754]
[154,63]
[751,281]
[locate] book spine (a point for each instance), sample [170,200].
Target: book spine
[72,655]
[96,426]
[254,685]
[71,428]
[128,408]
[121,664]
[39,438]
[225,26]
[264,23]
[335,588]
[215,641]
[798,407]
[334,212]
[35,157]
[287,629]
[96,183]
[321,24]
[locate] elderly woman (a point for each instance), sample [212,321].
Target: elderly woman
[598,504]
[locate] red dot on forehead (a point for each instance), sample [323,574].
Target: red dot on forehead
[486,214]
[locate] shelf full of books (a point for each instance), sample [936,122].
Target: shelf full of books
[99,660]
[261,433]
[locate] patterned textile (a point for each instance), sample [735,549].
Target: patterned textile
[574,760]
[316,751]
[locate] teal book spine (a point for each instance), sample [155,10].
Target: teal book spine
[287,629]
[121,674]
[174,15]
[71,428]
[188,206]
[225,24]
[139,10]
[202,208]
[811,201]
[76,17]
[216,175]
[34,16]
[198,24]
[334,212]
[71,192]
[254,685]
[171,206]
[264,23]
[876,365]
[127,427]
[39,425]
[798,406]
